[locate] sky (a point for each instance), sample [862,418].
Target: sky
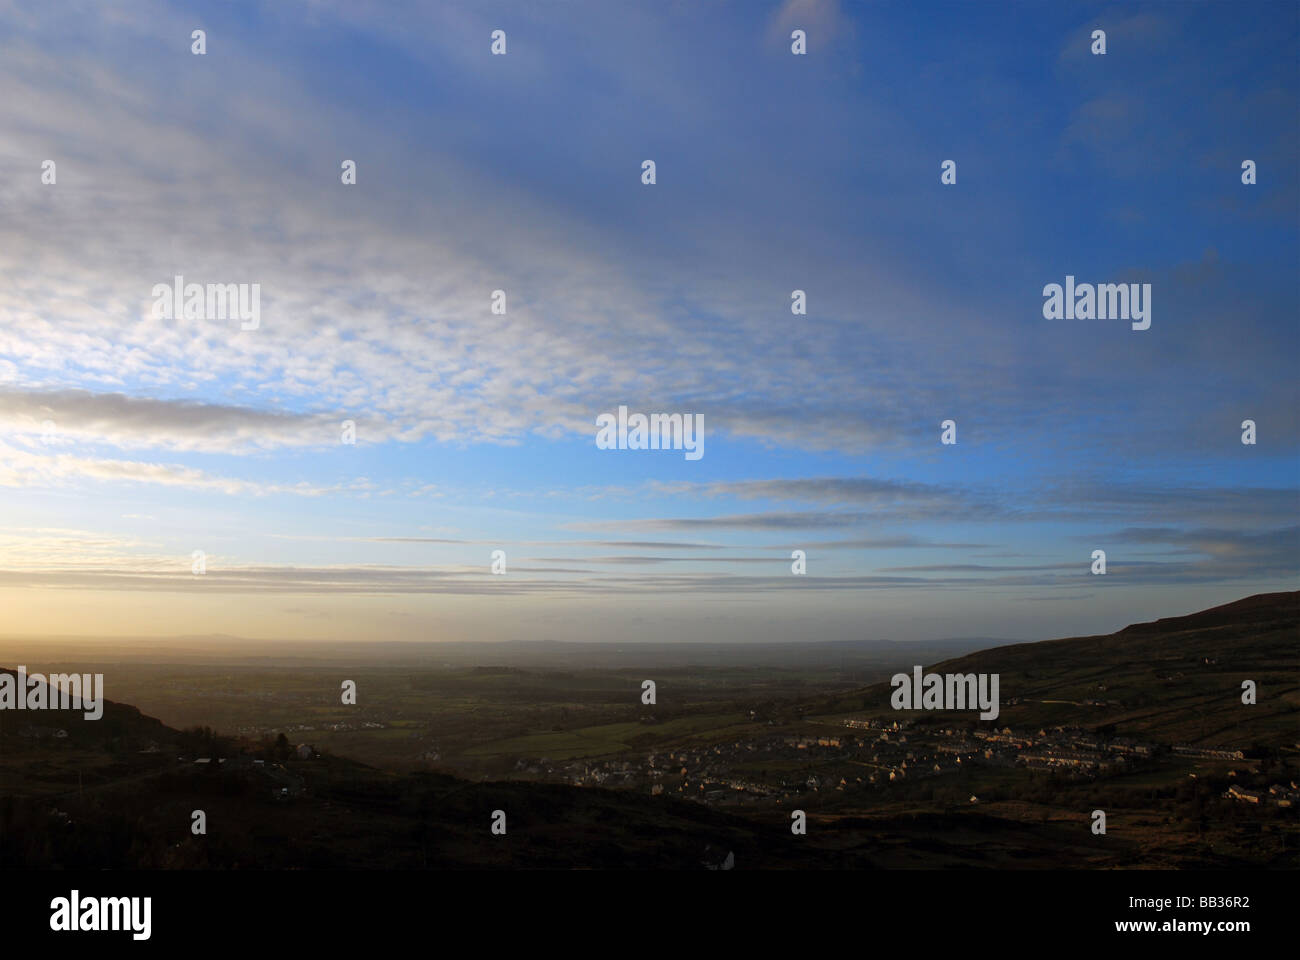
[129,441]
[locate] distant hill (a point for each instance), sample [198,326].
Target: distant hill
[858,654]
[121,724]
[1177,679]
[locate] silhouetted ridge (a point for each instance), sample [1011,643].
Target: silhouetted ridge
[1261,608]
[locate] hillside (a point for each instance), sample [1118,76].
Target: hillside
[114,793]
[1177,679]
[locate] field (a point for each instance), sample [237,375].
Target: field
[729,749]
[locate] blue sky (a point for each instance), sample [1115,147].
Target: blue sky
[521,172]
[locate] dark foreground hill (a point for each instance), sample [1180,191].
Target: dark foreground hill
[121,792]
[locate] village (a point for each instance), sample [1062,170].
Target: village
[868,753]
